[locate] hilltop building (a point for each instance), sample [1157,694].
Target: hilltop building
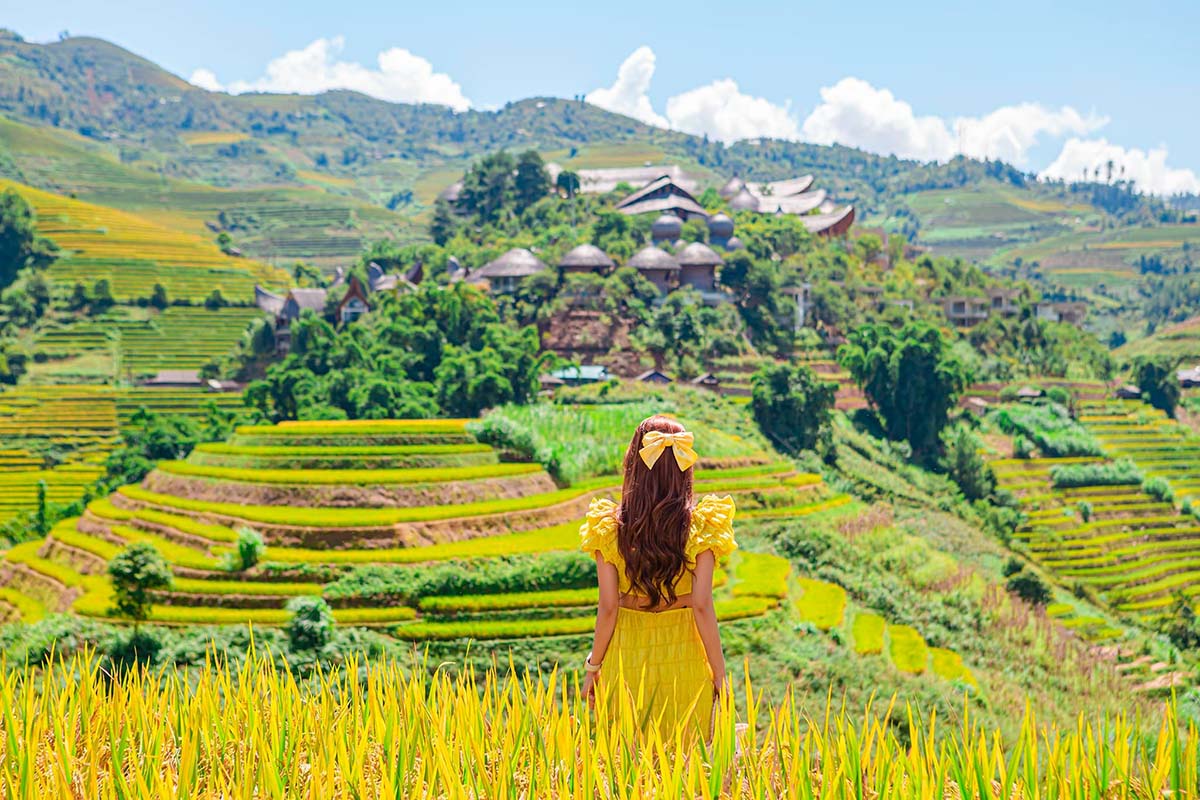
[657,266]
[354,303]
[586,258]
[504,274]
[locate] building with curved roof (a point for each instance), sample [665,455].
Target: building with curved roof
[743,201]
[734,243]
[506,272]
[586,258]
[732,187]
[835,223]
[658,266]
[662,195]
[698,267]
[667,228]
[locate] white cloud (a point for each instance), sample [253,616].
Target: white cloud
[855,113]
[1147,169]
[401,77]
[628,94]
[206,79]
[723,112]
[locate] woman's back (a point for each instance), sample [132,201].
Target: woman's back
[710,528]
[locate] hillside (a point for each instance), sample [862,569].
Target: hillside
[414,529]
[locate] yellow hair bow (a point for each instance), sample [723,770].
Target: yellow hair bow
[654,442]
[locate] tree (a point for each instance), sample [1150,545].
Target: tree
[102,298]
[224,242]
[311,627]
[1156,378]
[966,466]
[137,571]
[441,228]
[19,245]
[1029,587]
[215,301]
[567,182]
[487,187]
[158,299]
[791,405]
[531,183]
[911,378]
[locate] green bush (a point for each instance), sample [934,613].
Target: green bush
[519,573]
[311,625]
[249,548]
[1029,587]
[1050,427]
[1159,488]
[1116,473]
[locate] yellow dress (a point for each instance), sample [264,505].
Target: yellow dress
[660,654]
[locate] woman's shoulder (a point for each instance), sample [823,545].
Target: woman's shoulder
[599,528]
[712,527]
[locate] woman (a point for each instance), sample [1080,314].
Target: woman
[655,555]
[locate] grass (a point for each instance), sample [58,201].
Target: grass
[907,648]
[512,600]
[761,575]
[949,665]
[821,603]
[381,729]
[868,634]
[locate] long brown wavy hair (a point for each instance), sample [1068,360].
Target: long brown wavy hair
[655,516]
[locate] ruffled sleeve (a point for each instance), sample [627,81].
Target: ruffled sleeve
[599,531]
[712,528]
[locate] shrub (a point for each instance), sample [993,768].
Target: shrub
[1158,487]
[1050,427]
[965,465]
[310,628]
[1030,587]
[521,573]
[1116,473]
[1059,395]
[1022,447]
[249,548]
[1085,510]
[1011,567]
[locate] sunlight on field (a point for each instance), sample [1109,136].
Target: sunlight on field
[321,177]
[198,138]
[382,730]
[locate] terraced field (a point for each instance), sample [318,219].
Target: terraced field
[403,495]
[79,426]
[1158,445]
[133,254]
[736,373]
[133,343]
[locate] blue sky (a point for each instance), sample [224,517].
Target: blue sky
[1054,86]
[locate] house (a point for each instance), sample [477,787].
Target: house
[706,381]
[698,268]
[174,379]
[354,304]
[976,405]
[1189,378]
[1029,393]
[585,258]
[1003,302]
[1072,313]
[660,196]
[505,274]
[964,311]
[657,266]
[653,376]
[588,373]
[1128,392]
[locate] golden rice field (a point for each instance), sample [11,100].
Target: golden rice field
[133,253]
[378,730]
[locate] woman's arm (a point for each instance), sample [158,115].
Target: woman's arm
[706,616]
[606,617]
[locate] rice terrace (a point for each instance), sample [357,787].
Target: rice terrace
[481,404]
